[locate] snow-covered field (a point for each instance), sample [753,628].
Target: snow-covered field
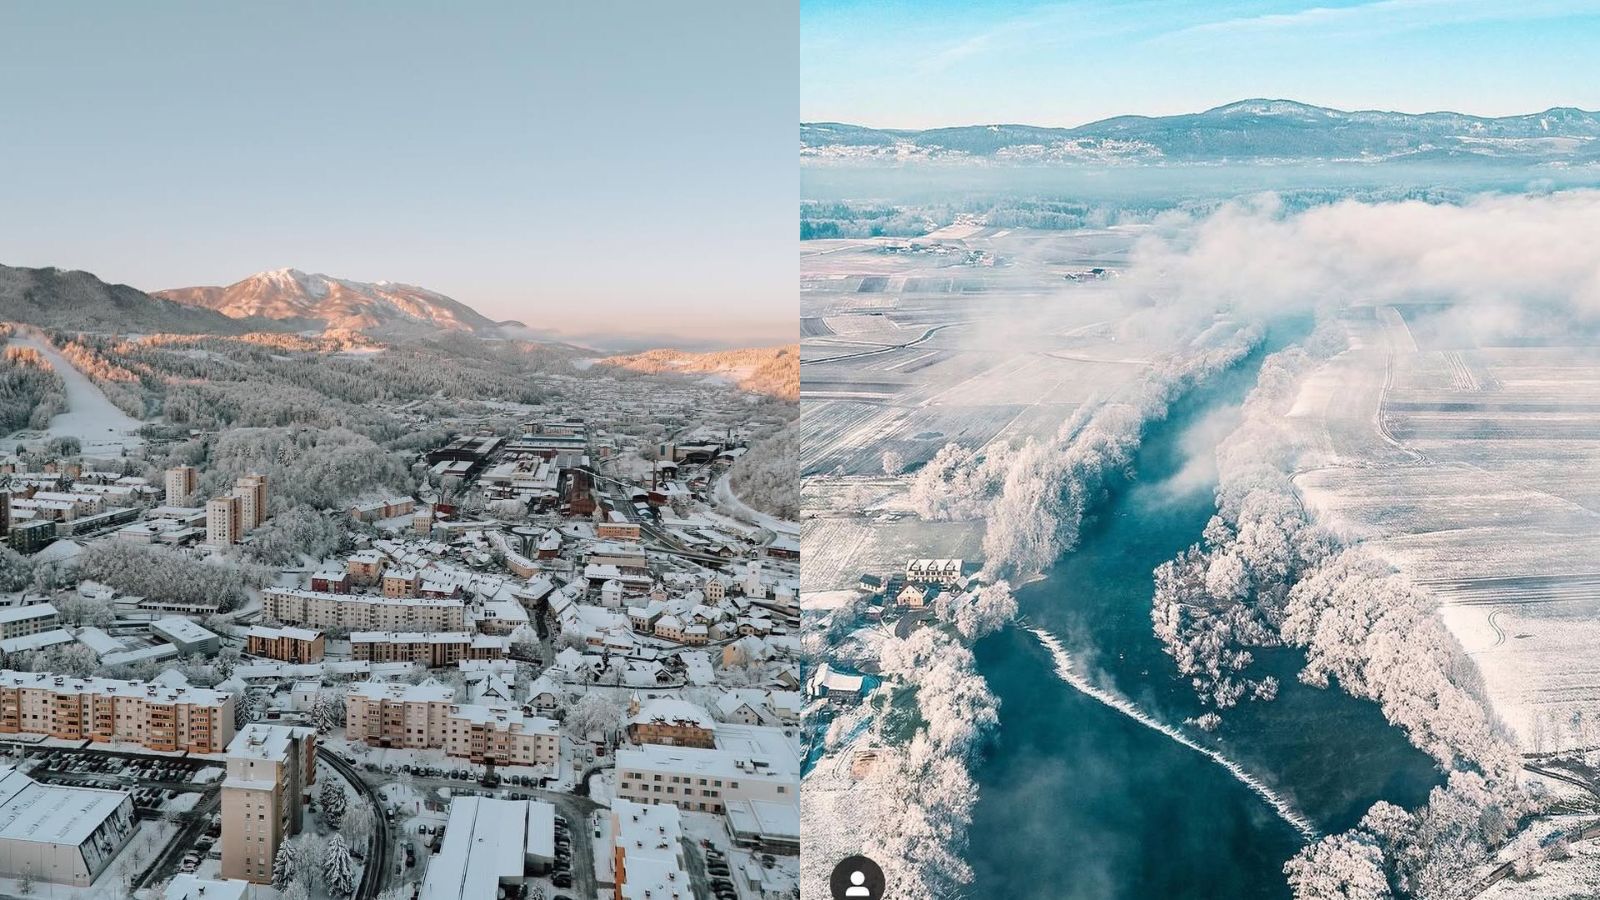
[101,428]
[1476,472]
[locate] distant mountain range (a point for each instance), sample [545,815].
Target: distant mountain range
[1246,131]
[774,371]
[298,300]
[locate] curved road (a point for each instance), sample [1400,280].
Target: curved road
[885,349]
[1586,832]
[375,876]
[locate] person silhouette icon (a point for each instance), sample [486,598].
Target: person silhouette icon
[857,878]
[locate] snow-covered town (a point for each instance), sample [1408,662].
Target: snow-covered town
[536,648]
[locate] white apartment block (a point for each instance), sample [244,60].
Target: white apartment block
[390,714]
[104,709]
[362,612]
[501,736]
[18,621]
[749,763]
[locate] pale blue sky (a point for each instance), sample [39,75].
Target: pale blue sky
[597,167]
[896,63]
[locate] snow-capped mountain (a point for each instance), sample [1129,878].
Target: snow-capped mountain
[306,300]
[1249,130]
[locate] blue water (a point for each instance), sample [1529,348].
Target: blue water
[1081,802]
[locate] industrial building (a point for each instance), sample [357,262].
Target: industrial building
[187,635]
[62,835]
[489,843]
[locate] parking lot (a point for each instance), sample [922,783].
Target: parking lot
[419,820]
[176,798]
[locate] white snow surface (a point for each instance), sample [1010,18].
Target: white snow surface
[102,428]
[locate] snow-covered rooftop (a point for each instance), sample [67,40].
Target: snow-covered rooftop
[52,814]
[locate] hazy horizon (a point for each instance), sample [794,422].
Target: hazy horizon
[944,63]
[563,167]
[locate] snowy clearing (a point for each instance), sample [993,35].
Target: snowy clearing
[100,427]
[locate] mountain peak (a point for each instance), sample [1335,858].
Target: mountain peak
[305,300]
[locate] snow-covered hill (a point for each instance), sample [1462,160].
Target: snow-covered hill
[774,371]
[1254,130]
[306,300]
[59,298]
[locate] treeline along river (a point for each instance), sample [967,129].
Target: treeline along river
[1093,787]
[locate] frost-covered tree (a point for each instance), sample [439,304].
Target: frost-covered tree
[338,872]
[979,610]
[593,713]
[894,462]
[16,570]
[327,711]
[285,864]
[332,797]
[254,708]
[922,790]
[158,573]
[295,533]
[357,824]
[1338,867]
[76,609]
[767,476]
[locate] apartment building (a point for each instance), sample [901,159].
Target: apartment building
[270,771]
[104,709]
[426,716]
[392,508]
[430,648]
[252,493]
[365,567]
[289,644]
[386,714]
[18,621]
[504,737]
[647,852]
[749,763]
[668,720]
[362,612]
[181,481]
[401,581]
[224,521]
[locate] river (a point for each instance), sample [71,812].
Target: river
[1082,800]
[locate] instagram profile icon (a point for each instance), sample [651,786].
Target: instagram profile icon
[857,878]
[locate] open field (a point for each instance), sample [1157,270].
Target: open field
[967,339]
[970,338]
[1476,471]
